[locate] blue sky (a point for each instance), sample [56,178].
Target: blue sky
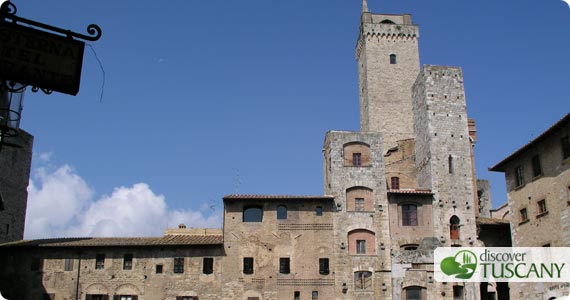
[207,98]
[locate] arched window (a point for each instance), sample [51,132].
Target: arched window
[392,59]
[410,215]
[359,198]
[395,183]
[454,228]
[362,280]
[361,242]
[252,214]
[281,212]
[386,21]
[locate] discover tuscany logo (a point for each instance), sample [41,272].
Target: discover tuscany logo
[502,264]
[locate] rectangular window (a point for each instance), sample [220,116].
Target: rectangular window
[536,167]
[284,265]
[409,215]
[519,175]
[357,159]
[100,262]
[315,295]
[128,262]
[395,183]
[362,280]
[324,266]
[158,269]
[178,265]
[68,264]
[523,215]
[248,265]
[457,292]
[297,295]
[319,211]
[542,206]
[450,163]
[359,204]
[565,147]
[96,297]
[208,265]
[361,246]
[125,297]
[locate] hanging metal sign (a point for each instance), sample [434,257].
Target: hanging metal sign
[41,59]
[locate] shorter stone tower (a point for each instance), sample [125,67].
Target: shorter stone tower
[14,179]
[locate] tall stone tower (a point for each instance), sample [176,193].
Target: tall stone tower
[388,63]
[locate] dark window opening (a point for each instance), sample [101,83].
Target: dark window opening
[281,212]
[457,292]
[284,265]
[128,262]
[409,215]
[413,293]
[450,164]
[186,298]
[360,246]
[324,266]
[319,211]
[208,265]
[96,297]
[410,247]
[392,59]
[248,265]
[395,183]
[178,266]
[100,261]
[565,147]
[158,269]
[253,214]
[519,175]
[536,166]
[386,21]
[359,204]
[1,203]
[315,295]
[357,159]
[297,295]
[542,206]
[362,280]
[523,215]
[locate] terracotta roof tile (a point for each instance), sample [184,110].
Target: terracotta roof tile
[169,240]
[276,197]
[411,191]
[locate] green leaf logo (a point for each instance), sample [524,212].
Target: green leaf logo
[463,264]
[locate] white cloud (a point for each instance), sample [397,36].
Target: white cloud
[61,204]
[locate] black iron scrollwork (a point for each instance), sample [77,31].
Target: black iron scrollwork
[8,12]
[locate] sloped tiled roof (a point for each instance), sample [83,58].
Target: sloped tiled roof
[167,240]
[410,191]
[276,197]
[491,221]
[499,167]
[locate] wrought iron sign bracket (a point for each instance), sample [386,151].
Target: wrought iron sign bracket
[8,12]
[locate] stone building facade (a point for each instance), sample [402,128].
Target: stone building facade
[15,163]
[538,186]
[393,192]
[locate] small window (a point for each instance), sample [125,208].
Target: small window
[357,159]
[450,164]
[395,183]
[360,246]
[99,261]
[248,265]
[36,264]
[297,295]
[409,247]
[392,59]
[319,211]
[542,206]
[359,204]
[362,280]
[125,297]
[414,293]
[523,215]
[96,297]
[315,295]
[454,228]
[284,265]
[1,203]
[208,265]
[128,262]
[546,245]
[158,269]
[68,264]
[519,175]
[565,142]
[536,167]
[178,266]
[324,266]
[409,215]
[281,212]
[253,214]
[457,292]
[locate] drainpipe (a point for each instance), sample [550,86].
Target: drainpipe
[78,274]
